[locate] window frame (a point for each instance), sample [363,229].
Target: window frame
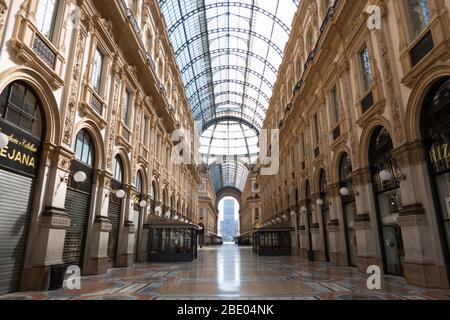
[52,36]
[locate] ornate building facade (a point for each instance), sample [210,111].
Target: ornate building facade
[250,213]
[90,97]
[363,113]
[208,214]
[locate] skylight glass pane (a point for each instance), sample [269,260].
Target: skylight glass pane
[229,53]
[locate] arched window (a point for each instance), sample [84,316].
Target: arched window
[20,106]
[84,148]
[118,169]
[139,182]
[153,191]
[322,182]
[345,168]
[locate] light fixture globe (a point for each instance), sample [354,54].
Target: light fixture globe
[304,210]
[175,217]
[292,213]
[168,214]
[79,177]
[385,175]
[278,219]
[285,217]
[143,203]
[344,191]
[4,140]
[158,210]
[319,202]
[120,194]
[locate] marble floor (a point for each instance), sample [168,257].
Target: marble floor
[231,272]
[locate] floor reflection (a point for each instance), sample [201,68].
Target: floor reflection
[229,269]
[232,272]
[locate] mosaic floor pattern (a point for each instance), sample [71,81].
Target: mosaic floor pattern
[234,273]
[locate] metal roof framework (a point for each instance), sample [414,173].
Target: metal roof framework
[229,53]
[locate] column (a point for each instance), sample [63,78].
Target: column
[368,248]
[97,247]
[50,230]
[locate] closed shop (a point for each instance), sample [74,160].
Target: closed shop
[114,209]
[21,121]
[78,199]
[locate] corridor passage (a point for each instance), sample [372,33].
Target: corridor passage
[232,272]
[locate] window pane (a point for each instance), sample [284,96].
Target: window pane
[419,16]
[29,105]
[366,68]
[126,101]
[97,70]
[45,17]
[17,95]
[13,116]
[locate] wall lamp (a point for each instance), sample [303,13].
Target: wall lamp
[4,140]
[346,192]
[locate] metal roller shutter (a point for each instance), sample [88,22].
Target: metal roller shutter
[114,216]
[77,206]
[15,196]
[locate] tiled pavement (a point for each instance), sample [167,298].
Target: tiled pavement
[230,272]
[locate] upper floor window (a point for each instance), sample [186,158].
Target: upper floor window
[84,148]
[366,67]
[315,128]
[418,16]
[97,70]
[146,130]
[46,17]
[302,147]
[126,107]
[334,100]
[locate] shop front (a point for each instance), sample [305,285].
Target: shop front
[386,186]
[78,199]
[348,208]
[436,134]
[22,133]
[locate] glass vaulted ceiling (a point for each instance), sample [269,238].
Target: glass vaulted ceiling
[229,53]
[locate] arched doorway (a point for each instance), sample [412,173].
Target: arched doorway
[78,198]
[386,189]
[435,128]
[114,208]
[348,208]
[324,206]
[21,119]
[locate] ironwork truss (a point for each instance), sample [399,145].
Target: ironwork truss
[229,53]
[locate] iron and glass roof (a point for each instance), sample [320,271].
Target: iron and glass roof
[229,53]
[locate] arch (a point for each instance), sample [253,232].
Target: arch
[228,192]
[417,97]
[155,190]
[122,153]
[45,93]
[94,132]
[118,169]
[316,180]
[165,196]
[335,162]
[342,166]
[143,172]
[306,185]
[366,137]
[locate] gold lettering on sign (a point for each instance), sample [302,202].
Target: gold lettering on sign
[439,153]
[17,156]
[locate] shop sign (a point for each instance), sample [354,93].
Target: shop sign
[22,152]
